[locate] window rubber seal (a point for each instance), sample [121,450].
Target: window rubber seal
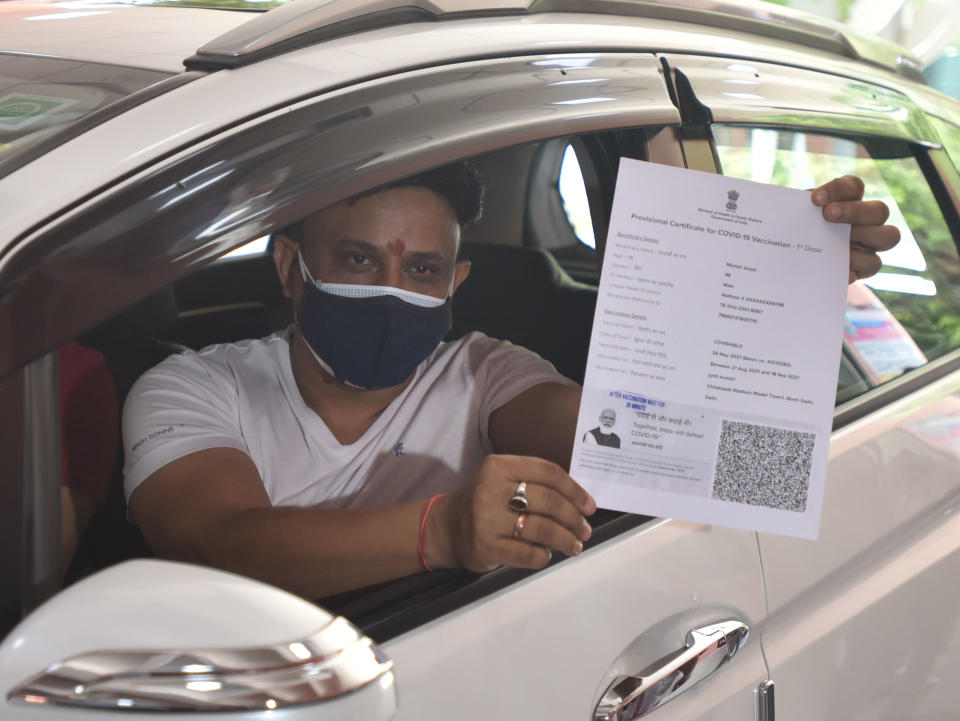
[396,607]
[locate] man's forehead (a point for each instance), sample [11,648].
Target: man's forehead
[402,218]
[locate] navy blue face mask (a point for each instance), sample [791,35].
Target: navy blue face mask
[370,336]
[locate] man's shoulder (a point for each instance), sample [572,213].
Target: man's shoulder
[226,361]
[478,345]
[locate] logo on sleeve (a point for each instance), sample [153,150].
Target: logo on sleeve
[156,434]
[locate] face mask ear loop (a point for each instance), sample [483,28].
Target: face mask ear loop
[453,277]
[303,269]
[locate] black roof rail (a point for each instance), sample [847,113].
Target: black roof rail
[302,23]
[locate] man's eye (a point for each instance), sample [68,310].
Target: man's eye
[358,259]
[422,269]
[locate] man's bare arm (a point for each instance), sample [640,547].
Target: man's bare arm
[210,507]
[541,421]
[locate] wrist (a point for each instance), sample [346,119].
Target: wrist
[438,544]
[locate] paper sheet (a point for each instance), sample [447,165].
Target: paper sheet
[713,362]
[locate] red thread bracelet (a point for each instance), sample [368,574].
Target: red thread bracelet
[423,530]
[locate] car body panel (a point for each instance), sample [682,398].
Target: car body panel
[157,38]
[860,623]
[644,590]
[879,597]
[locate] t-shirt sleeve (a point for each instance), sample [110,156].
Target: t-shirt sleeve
[181,406]
[507,370]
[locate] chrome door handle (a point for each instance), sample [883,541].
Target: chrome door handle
[705,650]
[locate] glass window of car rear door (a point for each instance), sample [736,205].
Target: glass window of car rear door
[907,314]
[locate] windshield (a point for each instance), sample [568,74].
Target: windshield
[40,96]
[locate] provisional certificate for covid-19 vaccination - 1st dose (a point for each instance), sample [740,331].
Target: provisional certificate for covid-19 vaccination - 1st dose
[710,383]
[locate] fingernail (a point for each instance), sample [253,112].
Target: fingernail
[590,506]
[578,548]
[820,197]
[585,530]
[834,212]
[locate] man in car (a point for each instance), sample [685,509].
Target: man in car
[317,459]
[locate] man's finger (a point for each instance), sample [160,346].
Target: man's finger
[847,187]
[857,212]
[521,554]
[543,472]
[542,531]
[863,264]
[874,237]
[547,502]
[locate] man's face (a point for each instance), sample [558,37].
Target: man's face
[607,419]
[404,237]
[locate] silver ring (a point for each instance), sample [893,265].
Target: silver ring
[518,501]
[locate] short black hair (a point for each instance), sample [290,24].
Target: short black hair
[460,184]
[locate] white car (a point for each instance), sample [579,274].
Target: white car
[139,144]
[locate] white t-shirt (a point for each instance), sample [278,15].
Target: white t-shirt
[243,395]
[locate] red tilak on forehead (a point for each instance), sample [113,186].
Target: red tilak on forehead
[396,247]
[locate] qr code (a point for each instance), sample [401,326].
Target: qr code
[763,466]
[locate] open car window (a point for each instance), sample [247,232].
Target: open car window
[141,253]
[515,292]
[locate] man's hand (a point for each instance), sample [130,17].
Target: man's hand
[842,202]
[474,527]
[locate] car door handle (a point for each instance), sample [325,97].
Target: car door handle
[705,650]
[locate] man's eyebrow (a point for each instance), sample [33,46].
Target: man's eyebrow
[357,244]
[427,256]
[368,248]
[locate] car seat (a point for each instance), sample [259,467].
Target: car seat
[523,295]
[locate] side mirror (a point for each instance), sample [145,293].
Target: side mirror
[150,635]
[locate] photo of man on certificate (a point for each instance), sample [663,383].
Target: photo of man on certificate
[603,434]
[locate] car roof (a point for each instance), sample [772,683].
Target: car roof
[139,36]
[165,34]
[305,22]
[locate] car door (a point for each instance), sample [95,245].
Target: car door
[646,595]
[863,622]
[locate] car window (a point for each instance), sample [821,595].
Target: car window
[573,193]
[514,292]
[909,313]
[562,206]
[40,95]
[235,189]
